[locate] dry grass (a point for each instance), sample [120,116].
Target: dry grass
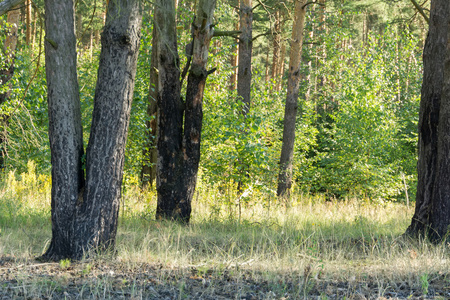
[314,249]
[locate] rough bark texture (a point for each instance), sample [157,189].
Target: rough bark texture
[432,213]
[170,112]
[178,151]
[98,209]
[148,172]
[203,32]
[245,53]
[7,5]
[290,113]
[65,131]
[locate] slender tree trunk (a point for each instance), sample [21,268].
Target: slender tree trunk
[65,131]
[432,212]
[178,151]
[234,62]
[34,31]
[28,21]
[148,172]
[98,211]
[281,65]
[276,47]
[245,54]
[203,33]
[290,113]
[267,64]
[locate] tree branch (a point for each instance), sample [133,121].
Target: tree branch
[420,10]
[232,33]
[7,5]
[312,2]
[254,7]
[262,34]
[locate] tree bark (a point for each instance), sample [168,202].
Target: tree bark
[8,5]
[148,172]
[178,150]
[234,63]
[65,130]
[98,210]
[170,111]
[432,210]
[290,113]
[245,54]
[276,46]
[203,33]
[84,214]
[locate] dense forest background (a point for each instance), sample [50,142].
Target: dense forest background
[356,130]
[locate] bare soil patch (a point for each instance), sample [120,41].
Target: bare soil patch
[100,279]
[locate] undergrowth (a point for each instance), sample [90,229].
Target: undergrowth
[297,248]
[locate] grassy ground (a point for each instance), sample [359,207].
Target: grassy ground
[315,249]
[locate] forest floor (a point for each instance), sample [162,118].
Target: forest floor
[316,249]
[108,280]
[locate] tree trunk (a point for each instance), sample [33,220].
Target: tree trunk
[290,113]
[84,214]
[281,65]
[7,5]
[148,172]
[276,46]
[178,151]
[65,131]
[28,22]
[170,112]
[97,213]
[203,33]
[245,54]
[432,210]
[234,62]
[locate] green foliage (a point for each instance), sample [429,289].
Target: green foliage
[366,140]
[356,126]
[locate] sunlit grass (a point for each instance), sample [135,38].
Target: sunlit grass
[309,241]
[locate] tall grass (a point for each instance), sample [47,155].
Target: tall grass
[308,240]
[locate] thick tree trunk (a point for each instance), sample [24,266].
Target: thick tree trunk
[8,5]
[245,54]
[432,199]
[65,131]
[98,210]
[290,113]
[84,214]
[170,112]
[148,172]
[178,151]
